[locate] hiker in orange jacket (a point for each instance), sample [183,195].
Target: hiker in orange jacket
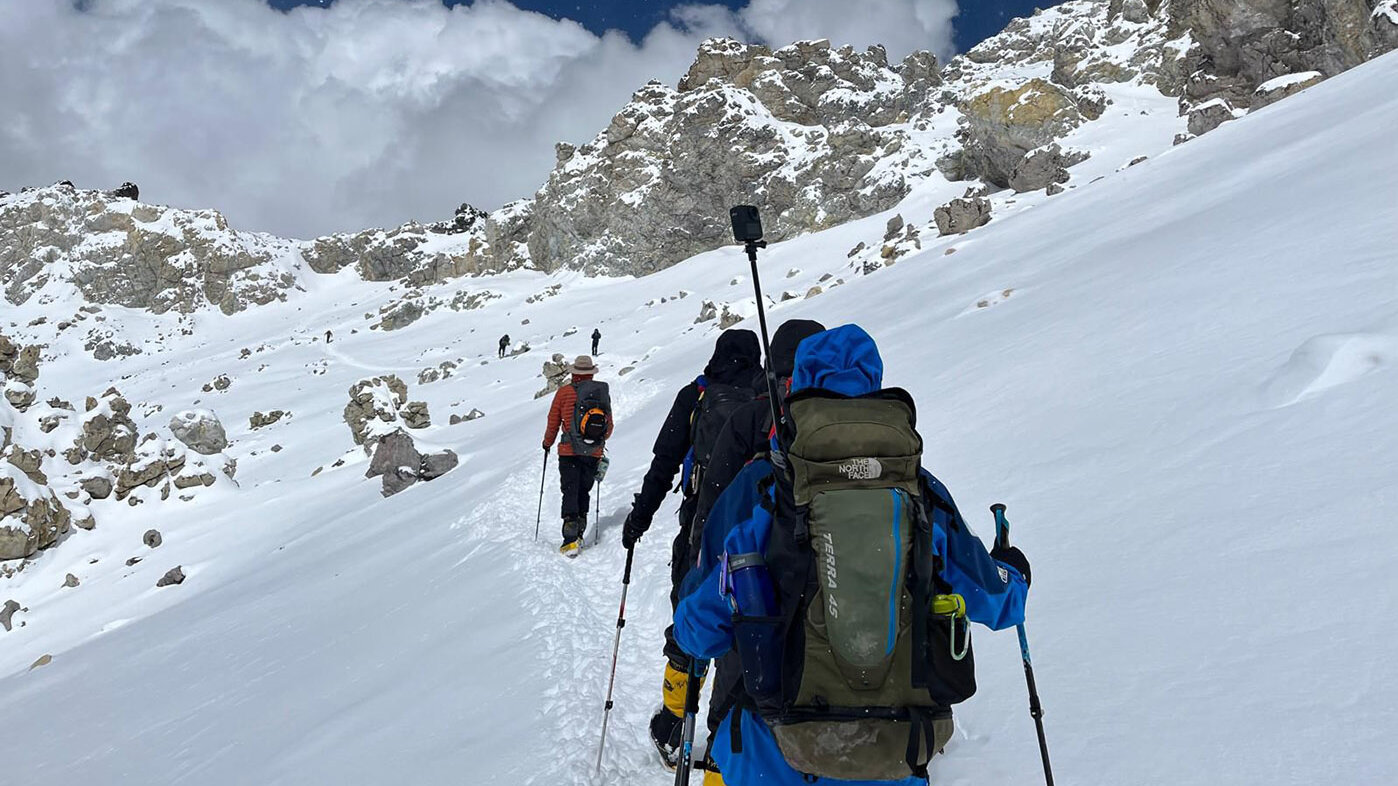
[581,414]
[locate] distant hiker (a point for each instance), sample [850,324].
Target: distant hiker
[696,417]
[328,336]
[582,411]
[504,344]
[885,672]
[596,337]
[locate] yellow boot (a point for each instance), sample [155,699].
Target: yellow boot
[667,725]
[713,778]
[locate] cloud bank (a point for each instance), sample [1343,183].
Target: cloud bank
[368,113]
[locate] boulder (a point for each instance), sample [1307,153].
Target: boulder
[200,430]
[373,407]
[962,215]
[7,613]
[1208,116]
[435,465]
[392,451]
[152,538]
[415,415]
[97,486]
[174,575]
[260,419]
[1043,167]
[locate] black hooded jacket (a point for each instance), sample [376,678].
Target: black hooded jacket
[736,358]
[745,435]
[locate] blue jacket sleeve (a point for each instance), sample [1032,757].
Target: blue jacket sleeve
[703,618]
[995,593]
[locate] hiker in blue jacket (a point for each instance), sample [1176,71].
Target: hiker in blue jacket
[994,585]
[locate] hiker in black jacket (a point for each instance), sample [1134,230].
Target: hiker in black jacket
[596,338]
[736,358]
[745,434]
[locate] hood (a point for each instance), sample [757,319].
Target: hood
[784,342]
[843,360]
[736,357]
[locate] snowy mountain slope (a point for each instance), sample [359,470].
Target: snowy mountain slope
[1180,382]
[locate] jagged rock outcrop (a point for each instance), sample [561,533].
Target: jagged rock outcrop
[200,430]
[809,121]
[1241,44]
[108,433]
[373,408]
[138,255]
[555,374]
[31,515]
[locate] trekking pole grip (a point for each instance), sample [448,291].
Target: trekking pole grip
[1002,525]
[626,576]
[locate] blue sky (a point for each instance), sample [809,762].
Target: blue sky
[978,20]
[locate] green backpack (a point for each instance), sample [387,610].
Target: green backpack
[874,649]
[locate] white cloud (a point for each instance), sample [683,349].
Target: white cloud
[368,113]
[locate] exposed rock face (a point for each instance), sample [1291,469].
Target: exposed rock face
[31,516]
[200,430]
[962,215]
[1001,126]
[655,186]
[435,465]
[127,253]
[1241,44]
[474,414]
[373,407]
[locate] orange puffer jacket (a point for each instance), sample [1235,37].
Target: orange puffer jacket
[561,419]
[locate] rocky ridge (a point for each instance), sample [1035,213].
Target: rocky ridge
[816,134]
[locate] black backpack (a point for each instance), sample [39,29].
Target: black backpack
[869,649]
[592,413]
[717,401]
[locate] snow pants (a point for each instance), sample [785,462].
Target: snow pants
[576,475]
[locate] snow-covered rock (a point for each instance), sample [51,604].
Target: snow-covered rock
[200,430]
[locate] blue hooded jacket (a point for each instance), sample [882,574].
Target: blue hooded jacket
[843,360]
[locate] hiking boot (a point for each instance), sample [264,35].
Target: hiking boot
[572,538]
[667,733]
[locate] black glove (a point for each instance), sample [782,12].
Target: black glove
[633,529]
[1012,556]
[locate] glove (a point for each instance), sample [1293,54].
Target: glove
[1012,556]
[547,447]
[633,529]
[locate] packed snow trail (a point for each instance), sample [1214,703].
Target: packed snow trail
[1185,398]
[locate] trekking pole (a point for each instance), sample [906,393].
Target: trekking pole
[691,713]
[597,519]
[616,648]
[542,474]
[1036,711]
[747,229]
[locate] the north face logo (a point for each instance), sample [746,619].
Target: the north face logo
[861,469]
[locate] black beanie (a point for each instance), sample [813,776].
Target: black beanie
[785,340]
